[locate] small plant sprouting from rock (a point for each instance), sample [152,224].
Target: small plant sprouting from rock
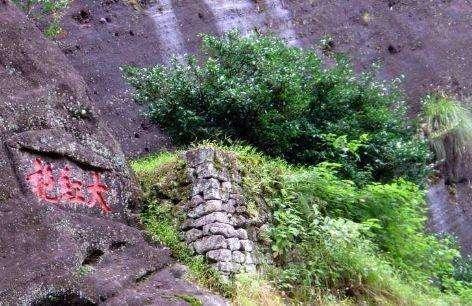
[51,8]
[193,301]
[448,126]
[84,270]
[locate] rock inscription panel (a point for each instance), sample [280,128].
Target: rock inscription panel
[65,187]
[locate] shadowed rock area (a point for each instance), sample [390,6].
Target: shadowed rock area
[67,193]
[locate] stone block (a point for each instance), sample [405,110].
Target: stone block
[234,244]
[228,267]
[199,156]
[238,221]
[225,190]
[247,245]
[196,200]
[206,208]
[241,233]
[206,171]
[218,216]
[209,243]
[211,189]
[220,229]
[220,255]
[238,257]
[193,234]
[228,207]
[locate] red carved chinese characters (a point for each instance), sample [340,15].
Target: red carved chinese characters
[72,191]
[97,189]
[42,181]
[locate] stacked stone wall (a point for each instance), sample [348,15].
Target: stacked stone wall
[217,219]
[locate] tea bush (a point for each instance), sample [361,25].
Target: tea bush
[285,102]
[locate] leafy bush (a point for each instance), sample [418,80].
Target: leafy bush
[286,103]
[331,240]
[329,234]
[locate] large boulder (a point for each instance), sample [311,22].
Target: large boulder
[67,196]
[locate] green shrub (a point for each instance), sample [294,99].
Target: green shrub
[328,234]
[286,103]
[331,241]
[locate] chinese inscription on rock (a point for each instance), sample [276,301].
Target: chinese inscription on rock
[43,185]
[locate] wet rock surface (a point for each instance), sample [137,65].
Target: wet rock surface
[67,196]
[217,221]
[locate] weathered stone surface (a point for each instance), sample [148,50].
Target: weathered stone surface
[67,197]
[226,188]
[211,189]
[247,245]
[198,188]
[249,258]
[196,200]
[227,267]
[234,244]
[209,243]
[193,234]
[200,156]
[241,233]
[220,229]
[218,216]
[238,221]
[220,255]
[239,257]
[206,208]
[207,170]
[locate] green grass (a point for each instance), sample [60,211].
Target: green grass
[193,301]
[163,180]
[331,241]
[445,117]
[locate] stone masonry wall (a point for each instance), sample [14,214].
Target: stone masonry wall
[217,219]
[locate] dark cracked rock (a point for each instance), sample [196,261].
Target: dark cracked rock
[67,196]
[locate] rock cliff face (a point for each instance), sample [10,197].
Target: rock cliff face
[427,44]
[67,193]
[424,43]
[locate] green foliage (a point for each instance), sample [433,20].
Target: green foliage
[368,243]
[84,270]
[53,29]
[284,101]
[331,241]
[193,301]
[44,6]
[50,8]
[447,123]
